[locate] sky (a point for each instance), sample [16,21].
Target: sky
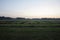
[30,8]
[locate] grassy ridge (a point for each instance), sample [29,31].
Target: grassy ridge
[29,33]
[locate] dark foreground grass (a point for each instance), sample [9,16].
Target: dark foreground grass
[29,33]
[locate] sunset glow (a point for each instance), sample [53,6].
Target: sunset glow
[30,8]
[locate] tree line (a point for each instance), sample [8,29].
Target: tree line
[20,18]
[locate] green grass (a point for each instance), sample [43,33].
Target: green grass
[30,23]
[8,33]
[29,30]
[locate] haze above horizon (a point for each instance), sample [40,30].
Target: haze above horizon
[30,8]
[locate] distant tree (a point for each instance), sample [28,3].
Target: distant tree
[8,18]
[3,18]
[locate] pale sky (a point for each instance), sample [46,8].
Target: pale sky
[30,8]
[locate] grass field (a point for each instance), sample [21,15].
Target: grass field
[29,33]
[30,30]
[30,23]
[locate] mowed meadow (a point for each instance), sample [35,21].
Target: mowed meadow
[29,29]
